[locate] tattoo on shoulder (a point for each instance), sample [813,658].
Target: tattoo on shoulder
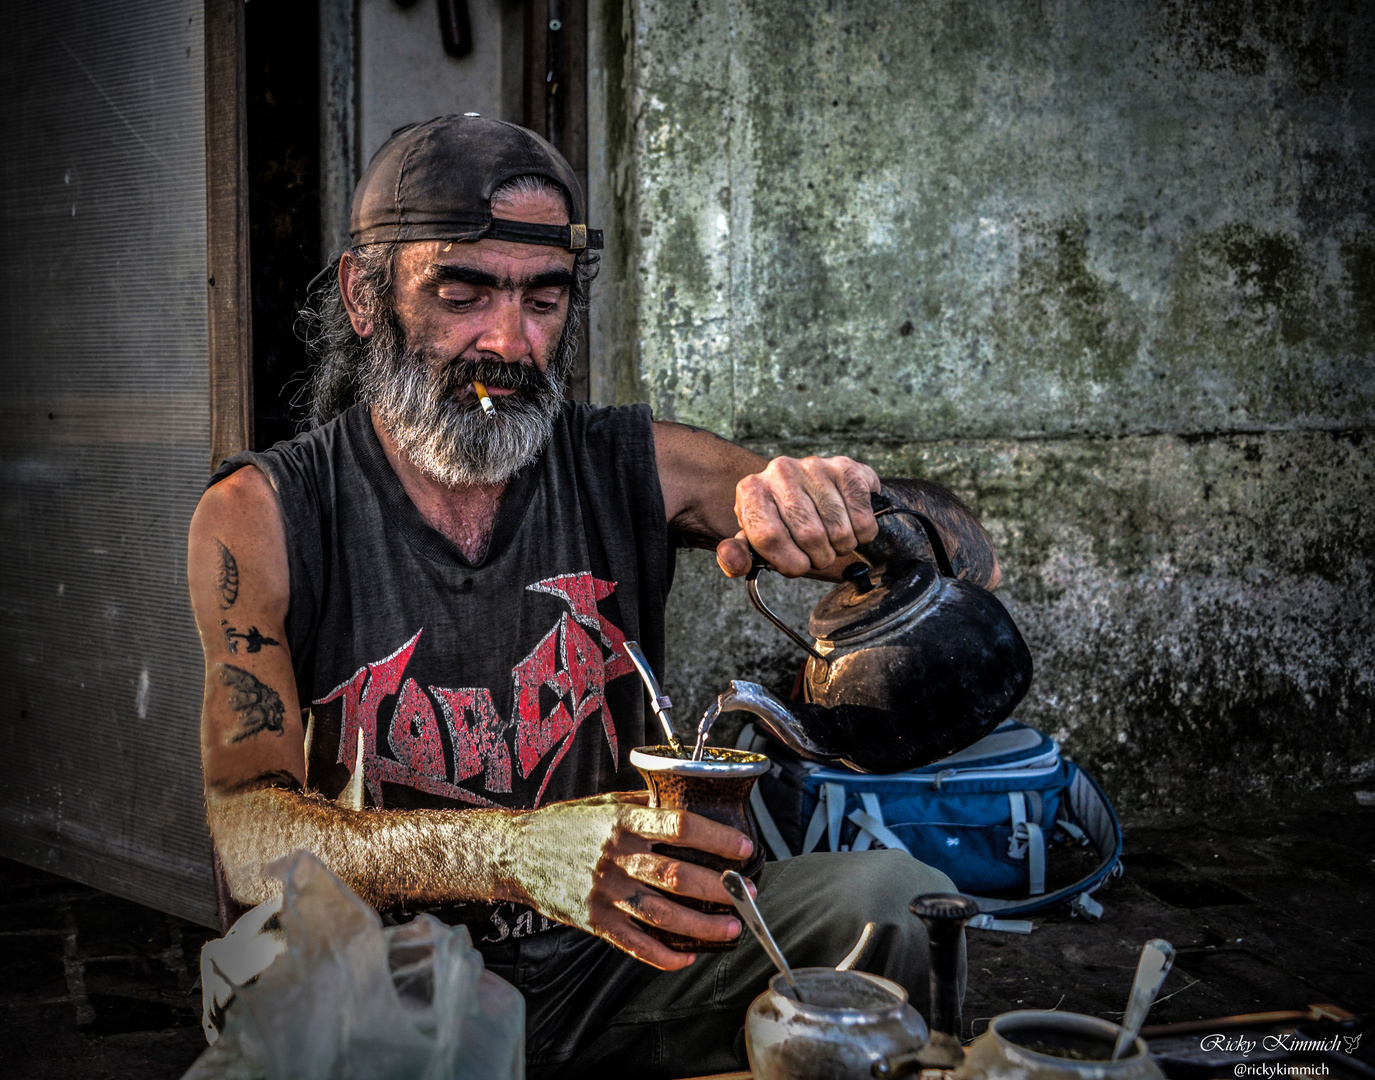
[253,640]
[258,706]
[227,580]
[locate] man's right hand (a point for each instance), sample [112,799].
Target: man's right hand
[589,863]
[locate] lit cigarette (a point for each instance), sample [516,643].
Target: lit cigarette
[487,406]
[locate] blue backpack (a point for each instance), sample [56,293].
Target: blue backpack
[987,816]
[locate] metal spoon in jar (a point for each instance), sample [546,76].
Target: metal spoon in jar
[744,903]
[1157,957]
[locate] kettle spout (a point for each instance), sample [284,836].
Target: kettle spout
[800,726]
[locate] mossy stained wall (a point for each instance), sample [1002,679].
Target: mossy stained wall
[1108,269]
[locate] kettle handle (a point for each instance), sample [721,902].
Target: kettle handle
[887,546]
[884,547]
[757,565]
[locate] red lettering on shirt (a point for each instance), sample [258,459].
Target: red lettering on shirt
[538,731]
[414,734]
[556,687]
[480,743]
[579,680]
[581,592]
[363,696]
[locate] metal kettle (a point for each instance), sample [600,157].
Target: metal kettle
[908,664]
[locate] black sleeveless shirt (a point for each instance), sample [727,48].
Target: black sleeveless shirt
[501,683]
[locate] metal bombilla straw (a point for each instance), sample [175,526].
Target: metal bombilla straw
[658,700]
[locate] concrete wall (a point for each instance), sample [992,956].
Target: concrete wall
[1106,269]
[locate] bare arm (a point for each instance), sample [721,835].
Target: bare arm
[586,863]
[804,515]
[252,736]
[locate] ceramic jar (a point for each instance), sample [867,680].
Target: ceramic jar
[848,1023]
[1053,1046]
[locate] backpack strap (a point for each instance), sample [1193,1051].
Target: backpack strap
[828,817]
[872,826]
[1027,841]
[816,825]
[1088,806]
[833,795]
[1006,926]
[768,828]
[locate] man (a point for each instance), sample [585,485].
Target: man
[447,593]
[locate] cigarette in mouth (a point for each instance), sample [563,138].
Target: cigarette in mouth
[482,396]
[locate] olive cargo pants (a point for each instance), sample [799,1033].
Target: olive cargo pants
[593,1010]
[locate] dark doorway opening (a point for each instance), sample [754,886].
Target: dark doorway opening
[283,121]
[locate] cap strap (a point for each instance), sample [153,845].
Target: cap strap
[572,237]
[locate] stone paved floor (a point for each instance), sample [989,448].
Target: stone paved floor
[93,986]
[1271,911]
[1275,912]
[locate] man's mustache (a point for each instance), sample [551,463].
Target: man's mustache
[517,375]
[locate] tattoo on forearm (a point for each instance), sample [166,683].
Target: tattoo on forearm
[253,640]
[258,706]
[227,580]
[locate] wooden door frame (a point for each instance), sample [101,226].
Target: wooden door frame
[229,309]
[555,106]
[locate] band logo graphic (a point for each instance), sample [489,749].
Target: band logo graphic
[558,686]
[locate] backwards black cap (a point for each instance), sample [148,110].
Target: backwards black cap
[434,181]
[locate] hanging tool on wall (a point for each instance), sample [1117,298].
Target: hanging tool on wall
[455,28]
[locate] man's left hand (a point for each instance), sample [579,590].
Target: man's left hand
[801,515]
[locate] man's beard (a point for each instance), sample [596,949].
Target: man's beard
[454,442]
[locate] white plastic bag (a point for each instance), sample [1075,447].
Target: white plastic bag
[350,999]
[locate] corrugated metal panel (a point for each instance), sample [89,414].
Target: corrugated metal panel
[104,436]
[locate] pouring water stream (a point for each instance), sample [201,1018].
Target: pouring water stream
[704,729]
[747,696]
